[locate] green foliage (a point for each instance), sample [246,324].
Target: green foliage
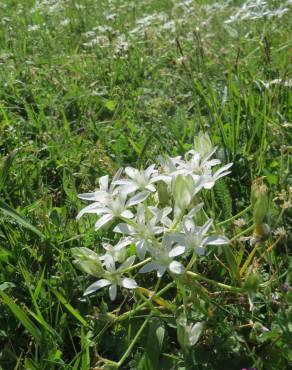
[223,199]
[89,86]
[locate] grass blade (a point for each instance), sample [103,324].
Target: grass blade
[21,316]
[5,208]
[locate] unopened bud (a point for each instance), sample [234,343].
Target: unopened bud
[87,261]
[203,144]
[252,282]
[163,194]
[259,200]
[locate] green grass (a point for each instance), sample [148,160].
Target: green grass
[72,111]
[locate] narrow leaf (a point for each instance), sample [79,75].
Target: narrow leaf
[21,316]
[18,218]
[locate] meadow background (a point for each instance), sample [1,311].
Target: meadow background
[90,86]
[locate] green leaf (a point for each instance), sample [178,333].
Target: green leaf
[18,218]
[21,316]
[154,344]
[5,165]
[68,306]
[85,359]
[6,285]
[110,105]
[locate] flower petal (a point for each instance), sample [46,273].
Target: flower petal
[138,198]
[141,248]
[103,183]
[176,268]
[112,292]
[150,170]
[96,286]
[222,169]
[95,208]
[98,196]
[150,266]
[109,262]
[129,262]
[161,270]
[151,188]
[204,229]
[177,251]
[127,214]
[217,240]
[123,228]
[132,172]
[129,283]
[123,243]
[129,188]
[103,221]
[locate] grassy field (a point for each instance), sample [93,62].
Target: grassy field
[90,86]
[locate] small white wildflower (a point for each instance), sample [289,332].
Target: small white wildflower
[138,180]
[193,237]
[144,229]
[109,202]
[280,232]
[33,27]
[113,277]
[162,258]
[118,251]
[240,222]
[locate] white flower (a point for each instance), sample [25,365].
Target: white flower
[105,189]
[144,229]
[201,168]
[113,277]
[109,203]
[139,180]
[196,163]
[118,251]
[162,258]
[111,207]
[193,237]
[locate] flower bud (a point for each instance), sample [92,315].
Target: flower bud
[188,335]
[252,282]
[259,200]
[163,194]
[87,261]
[202,144]
[183,190]
[262,232]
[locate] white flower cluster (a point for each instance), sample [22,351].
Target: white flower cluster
[156,210]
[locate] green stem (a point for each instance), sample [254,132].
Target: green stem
[192,261]
[148,303]
[177,221]
[249,229]
[213,282]
[139,264]
[236,216]
[132,312]
[139,332]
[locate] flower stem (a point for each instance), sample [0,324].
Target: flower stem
[213,282]
[139,264]
[249,229]
[139,332]
[236,216]
[132,312]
